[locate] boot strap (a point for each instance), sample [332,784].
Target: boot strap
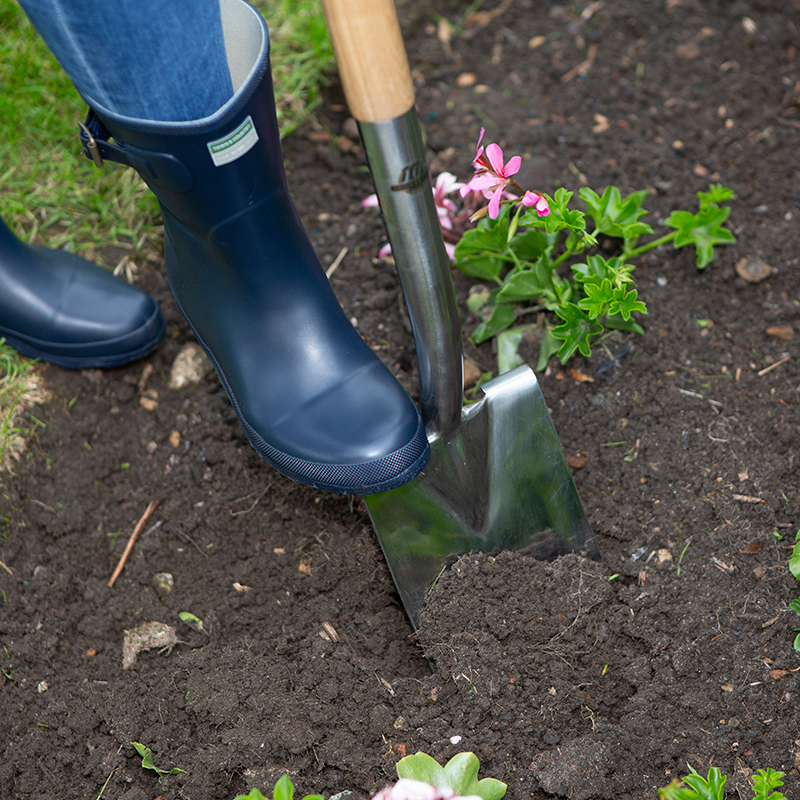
[158,169]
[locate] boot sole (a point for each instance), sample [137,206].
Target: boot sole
[48,351]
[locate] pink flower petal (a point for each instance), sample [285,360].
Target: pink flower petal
[495,155]
[370,202]
[494,204]
[484,181]
[512,168]
[530,199]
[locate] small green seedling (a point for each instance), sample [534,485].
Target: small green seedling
[698,787]
[794,559]
[284,790]
[193,622]
[795,606]
[713,787]
[147,761]
[459,774]
[764,781]
[683,553]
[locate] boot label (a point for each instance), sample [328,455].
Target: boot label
[234,145]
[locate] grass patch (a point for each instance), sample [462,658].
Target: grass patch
[19,390]
[50,194]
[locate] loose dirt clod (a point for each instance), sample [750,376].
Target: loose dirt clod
[147,637]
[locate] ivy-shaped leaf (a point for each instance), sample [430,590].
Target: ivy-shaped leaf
[576,331]
[717,193]
[459,774]
[611,214]
[703,230]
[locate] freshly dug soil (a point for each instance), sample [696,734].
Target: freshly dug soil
[572,679]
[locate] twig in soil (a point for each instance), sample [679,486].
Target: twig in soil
[194,544]
[746,498]
[6,568]
[773,366]
[254,504]
[338,260]
[134,536]
[146,373]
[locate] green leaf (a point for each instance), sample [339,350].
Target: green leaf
[482,239]
[526,285]
[502,317]
[284,789]
[717,193]
[147,761]
[192,621]
[615,322]
[576,331]
[487,268]
[459,774]
[764,781]
[612,215]
[703,230]
[547,349]
[795,605]
[533,244]
[254,794]
[560,216]
[796,644]
[508,343]
[794,561]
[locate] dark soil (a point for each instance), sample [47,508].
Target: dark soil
[574,679]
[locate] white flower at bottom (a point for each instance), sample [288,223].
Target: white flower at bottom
[407,789]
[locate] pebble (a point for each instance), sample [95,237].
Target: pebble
[191,365]
[163,583]
[752,269]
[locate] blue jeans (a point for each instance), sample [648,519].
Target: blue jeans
[145,59]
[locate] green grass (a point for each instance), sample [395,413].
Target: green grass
[50,194]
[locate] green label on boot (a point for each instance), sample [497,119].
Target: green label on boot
[234,145]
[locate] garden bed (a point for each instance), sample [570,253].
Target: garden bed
[575,679]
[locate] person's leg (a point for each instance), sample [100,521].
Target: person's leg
[144,59]
[312,397]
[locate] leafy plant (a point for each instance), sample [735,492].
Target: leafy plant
[459,774]
[284,790]
[713,787]
[794,568]
[525,240]
[147,761]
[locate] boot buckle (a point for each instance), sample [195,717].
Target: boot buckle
[91,145]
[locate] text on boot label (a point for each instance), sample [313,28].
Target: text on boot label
[235,144]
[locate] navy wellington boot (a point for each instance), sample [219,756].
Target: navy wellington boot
[313,399]
[63,309]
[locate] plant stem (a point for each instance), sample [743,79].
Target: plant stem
[650,245]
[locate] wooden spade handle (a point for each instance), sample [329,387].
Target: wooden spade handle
[372,58]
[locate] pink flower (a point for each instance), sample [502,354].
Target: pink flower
[446,210]
[538,201]
[446,183]
[407,789]
[492,175]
